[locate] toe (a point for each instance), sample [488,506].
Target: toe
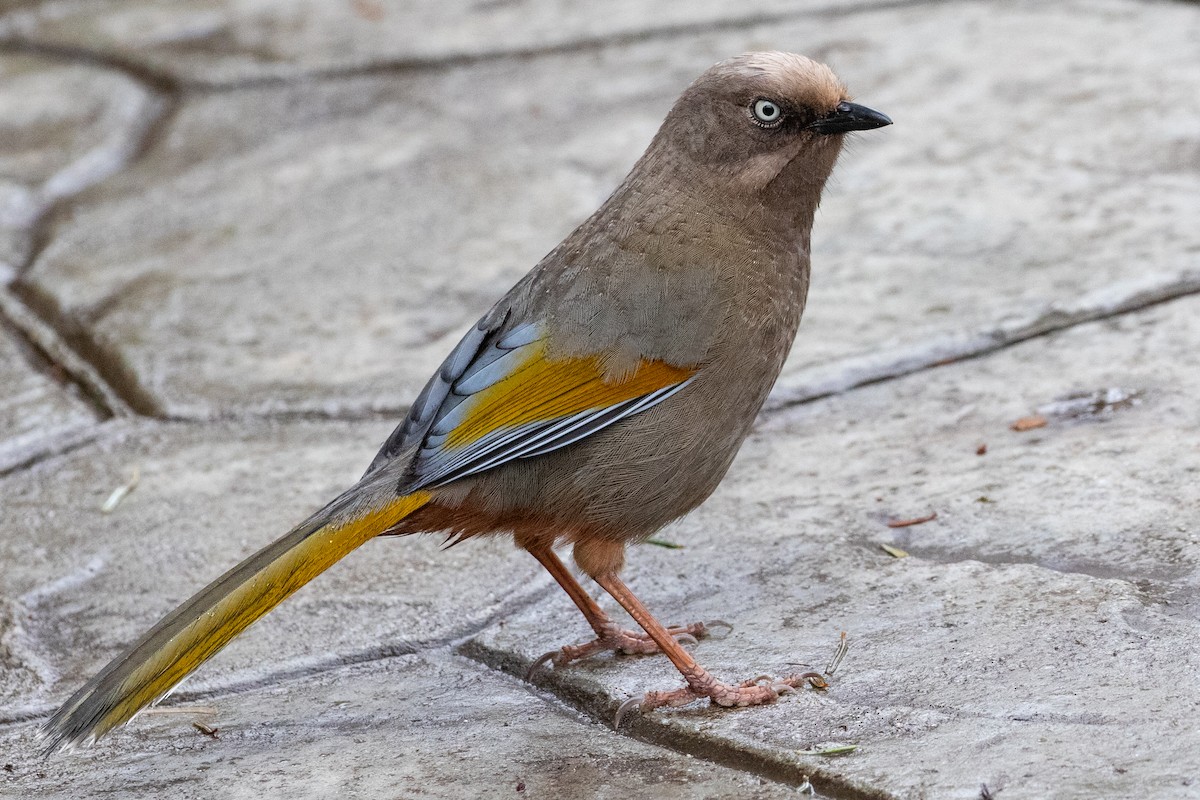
[632,704]
[538,664]
[720,624]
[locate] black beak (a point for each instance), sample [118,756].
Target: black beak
[850,117]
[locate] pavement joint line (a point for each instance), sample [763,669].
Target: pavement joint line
[248,416]
[148,77]
[139,136]
[538,694]
[59,446]
[441,644]
[852,373]
[22,716]
[1136,583]
[582,44]
[1053,318]
[43,338]
[108,372]
[120,385]
[50,333]
[447,643]
[142,135]
[583,717]
[598,706]
[847,374]
[935,555]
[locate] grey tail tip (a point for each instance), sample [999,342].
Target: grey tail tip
[57,735]
[53,741]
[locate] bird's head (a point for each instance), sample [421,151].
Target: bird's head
[755,119]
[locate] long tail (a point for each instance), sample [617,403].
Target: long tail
[194,632]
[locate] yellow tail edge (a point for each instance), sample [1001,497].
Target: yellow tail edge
[198,629]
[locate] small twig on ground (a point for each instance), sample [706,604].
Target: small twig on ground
[664,543]
[904,523]
[207,731]
[834,749]
[119,493]
[842,648]
[1029,423]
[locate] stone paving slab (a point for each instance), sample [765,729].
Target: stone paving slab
[63,127]
[79,585]
[1040,636]
[319,247]
[316,246]
[37,405]
[235,41]
[407,727]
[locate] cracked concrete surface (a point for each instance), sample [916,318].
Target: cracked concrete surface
[243,246]
[1058,587]
[221,44]
[65,127]
[200,506]
[37,404]
[461,731]
[281,216]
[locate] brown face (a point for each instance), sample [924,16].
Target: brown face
[752,116]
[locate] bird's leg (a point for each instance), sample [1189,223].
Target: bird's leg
[701,682]
[609,635]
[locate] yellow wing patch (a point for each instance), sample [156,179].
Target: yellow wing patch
[541,389]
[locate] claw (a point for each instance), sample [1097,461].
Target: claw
[687,638]
[536,665]
[781,688]
[815,679]
[623,709]
[718,623]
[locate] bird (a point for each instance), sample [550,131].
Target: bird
[604,396]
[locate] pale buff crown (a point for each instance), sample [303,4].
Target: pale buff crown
[787,76]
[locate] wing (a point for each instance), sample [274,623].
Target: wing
[500,396]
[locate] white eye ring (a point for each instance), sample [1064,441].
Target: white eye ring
[766,112]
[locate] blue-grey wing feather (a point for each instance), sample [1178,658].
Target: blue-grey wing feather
[424,410]
[485,356]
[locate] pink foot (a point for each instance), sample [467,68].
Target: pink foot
[618,640]
[756,691]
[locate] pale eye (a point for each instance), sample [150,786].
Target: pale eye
[766,112]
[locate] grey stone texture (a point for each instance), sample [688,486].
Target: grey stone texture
[255,207]
[1049,610]
[205,498]
[236,237]
[65,126]
[37,404]
[224,42]
[447,729]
